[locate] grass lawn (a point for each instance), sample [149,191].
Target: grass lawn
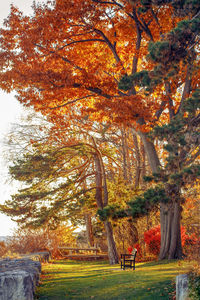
[98,280]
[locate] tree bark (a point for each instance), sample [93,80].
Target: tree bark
[151,153]
[102,201]
[89,232]
[125,155]
[133,233]
[138,161]
[112,251]
[170,231]
[170,213]
[143,171]
[125,171]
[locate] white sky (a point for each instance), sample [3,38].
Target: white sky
[10,112]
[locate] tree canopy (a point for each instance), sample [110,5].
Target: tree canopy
[134,63]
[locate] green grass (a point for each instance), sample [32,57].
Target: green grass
[98,280]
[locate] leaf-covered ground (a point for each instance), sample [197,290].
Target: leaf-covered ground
[98,280]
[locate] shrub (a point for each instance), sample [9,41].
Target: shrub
[130,249]
[29,240]
[194,286]
[3,249]
[152,238]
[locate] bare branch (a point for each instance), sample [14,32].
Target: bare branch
[60,56]
[81,41]
[138,43]
[196,155]
[108,42]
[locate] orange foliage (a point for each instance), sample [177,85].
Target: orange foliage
[3,248]
[67,59]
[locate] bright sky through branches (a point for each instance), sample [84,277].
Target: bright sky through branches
[10,112]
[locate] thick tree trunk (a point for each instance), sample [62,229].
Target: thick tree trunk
[170,213]
[112,251]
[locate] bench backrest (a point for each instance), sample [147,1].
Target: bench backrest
[134,252]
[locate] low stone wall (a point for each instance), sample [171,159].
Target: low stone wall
[18,278]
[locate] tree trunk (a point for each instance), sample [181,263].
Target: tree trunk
[170,213]
[132,233]
[151,153]
[125,168]
[143,171]
[138,161]
[126,158]
[102,201]
[112,251]
[89,232]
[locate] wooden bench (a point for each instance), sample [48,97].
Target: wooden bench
[128,260]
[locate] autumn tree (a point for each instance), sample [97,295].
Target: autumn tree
[88,59]
[62,182]
[43,163]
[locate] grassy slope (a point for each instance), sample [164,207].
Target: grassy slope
[98,280]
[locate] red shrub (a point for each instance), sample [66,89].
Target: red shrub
[130,249]
[188,239]
[152,238]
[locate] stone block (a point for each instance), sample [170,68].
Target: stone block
[18,278]
[182,287]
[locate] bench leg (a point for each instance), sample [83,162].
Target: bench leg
[133,265]
[123,264]
[128,263]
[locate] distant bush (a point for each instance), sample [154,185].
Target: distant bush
[29,240]
[3,249]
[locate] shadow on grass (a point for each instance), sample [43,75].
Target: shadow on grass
[79,262]
[98,280]
[155,263]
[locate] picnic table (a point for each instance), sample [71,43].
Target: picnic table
[77,250]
